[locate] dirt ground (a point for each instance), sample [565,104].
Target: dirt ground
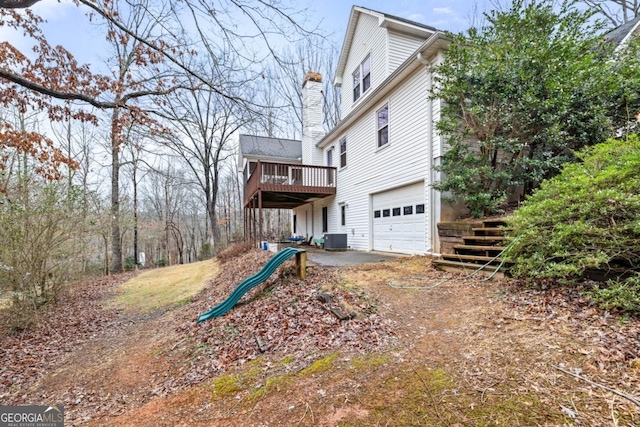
[462,353]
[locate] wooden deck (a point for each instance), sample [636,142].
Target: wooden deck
[286,186]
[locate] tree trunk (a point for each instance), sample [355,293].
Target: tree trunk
[135,215]
[116,242]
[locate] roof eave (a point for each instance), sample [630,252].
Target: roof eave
[384,21]
[346,42]
[438,41]
[626,38]
[273,159]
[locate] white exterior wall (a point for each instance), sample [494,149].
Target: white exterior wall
[437,141]
[371,170]
[401,46]
[369,39]
[312,130]
[310,223]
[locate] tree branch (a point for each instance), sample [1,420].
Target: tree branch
[19,80]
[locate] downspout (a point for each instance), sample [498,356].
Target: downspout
[432,225]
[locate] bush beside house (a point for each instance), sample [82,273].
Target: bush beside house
[525,90]
[586,218]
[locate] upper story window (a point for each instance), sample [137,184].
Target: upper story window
[362,78]
[382,122]
[343,152]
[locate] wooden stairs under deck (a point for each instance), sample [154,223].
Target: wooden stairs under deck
[481,247]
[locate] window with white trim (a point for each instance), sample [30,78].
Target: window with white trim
[382,124]
[343,152]
[362,78]
[330,163]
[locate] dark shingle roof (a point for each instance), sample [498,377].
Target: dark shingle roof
[618,34]
[261,146]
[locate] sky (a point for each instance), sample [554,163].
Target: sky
[452,15]
[67,25]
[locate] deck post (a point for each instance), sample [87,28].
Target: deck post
[260,215]
[251,222]
[301,264]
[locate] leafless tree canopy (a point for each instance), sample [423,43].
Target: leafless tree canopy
[616,12]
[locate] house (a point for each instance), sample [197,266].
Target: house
[370,177]
[623,33]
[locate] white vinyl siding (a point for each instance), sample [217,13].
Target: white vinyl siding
[401,46]
[371,171]
[368,40]
[310,223]
[436,141]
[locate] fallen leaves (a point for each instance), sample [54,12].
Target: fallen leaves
[29,355]
[495,342]
[285,314]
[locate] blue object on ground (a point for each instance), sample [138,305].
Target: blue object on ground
[250,283]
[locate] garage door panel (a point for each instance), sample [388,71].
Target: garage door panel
[403,232]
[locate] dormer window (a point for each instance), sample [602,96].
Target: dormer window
[362,78]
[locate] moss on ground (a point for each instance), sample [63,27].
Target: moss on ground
[421,396]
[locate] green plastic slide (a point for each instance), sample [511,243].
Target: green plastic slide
[250,283]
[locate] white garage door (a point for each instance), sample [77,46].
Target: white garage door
[399,220]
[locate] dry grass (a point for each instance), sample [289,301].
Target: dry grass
[165,287]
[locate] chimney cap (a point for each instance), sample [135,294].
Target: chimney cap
[313,77]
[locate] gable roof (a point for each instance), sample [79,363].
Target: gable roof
[621,34]
[275,148]
[439,41]
[385,21]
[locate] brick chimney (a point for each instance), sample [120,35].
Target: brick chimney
[312,130]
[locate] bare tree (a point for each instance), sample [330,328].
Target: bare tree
[164,195]
[204,123]
[247,27]
[617,12]
[315,54]
[137,75]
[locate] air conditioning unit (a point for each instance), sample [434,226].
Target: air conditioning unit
[335,242]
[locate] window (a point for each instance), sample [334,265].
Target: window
[343,215]
[343,152]
[420,209]
[366,74]
[382,119]
[376,214]
[396,211]
[408,210]
[330,163]
[386,213]
[325,219]
[362,78]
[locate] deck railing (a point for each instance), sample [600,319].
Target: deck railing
[283,177]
